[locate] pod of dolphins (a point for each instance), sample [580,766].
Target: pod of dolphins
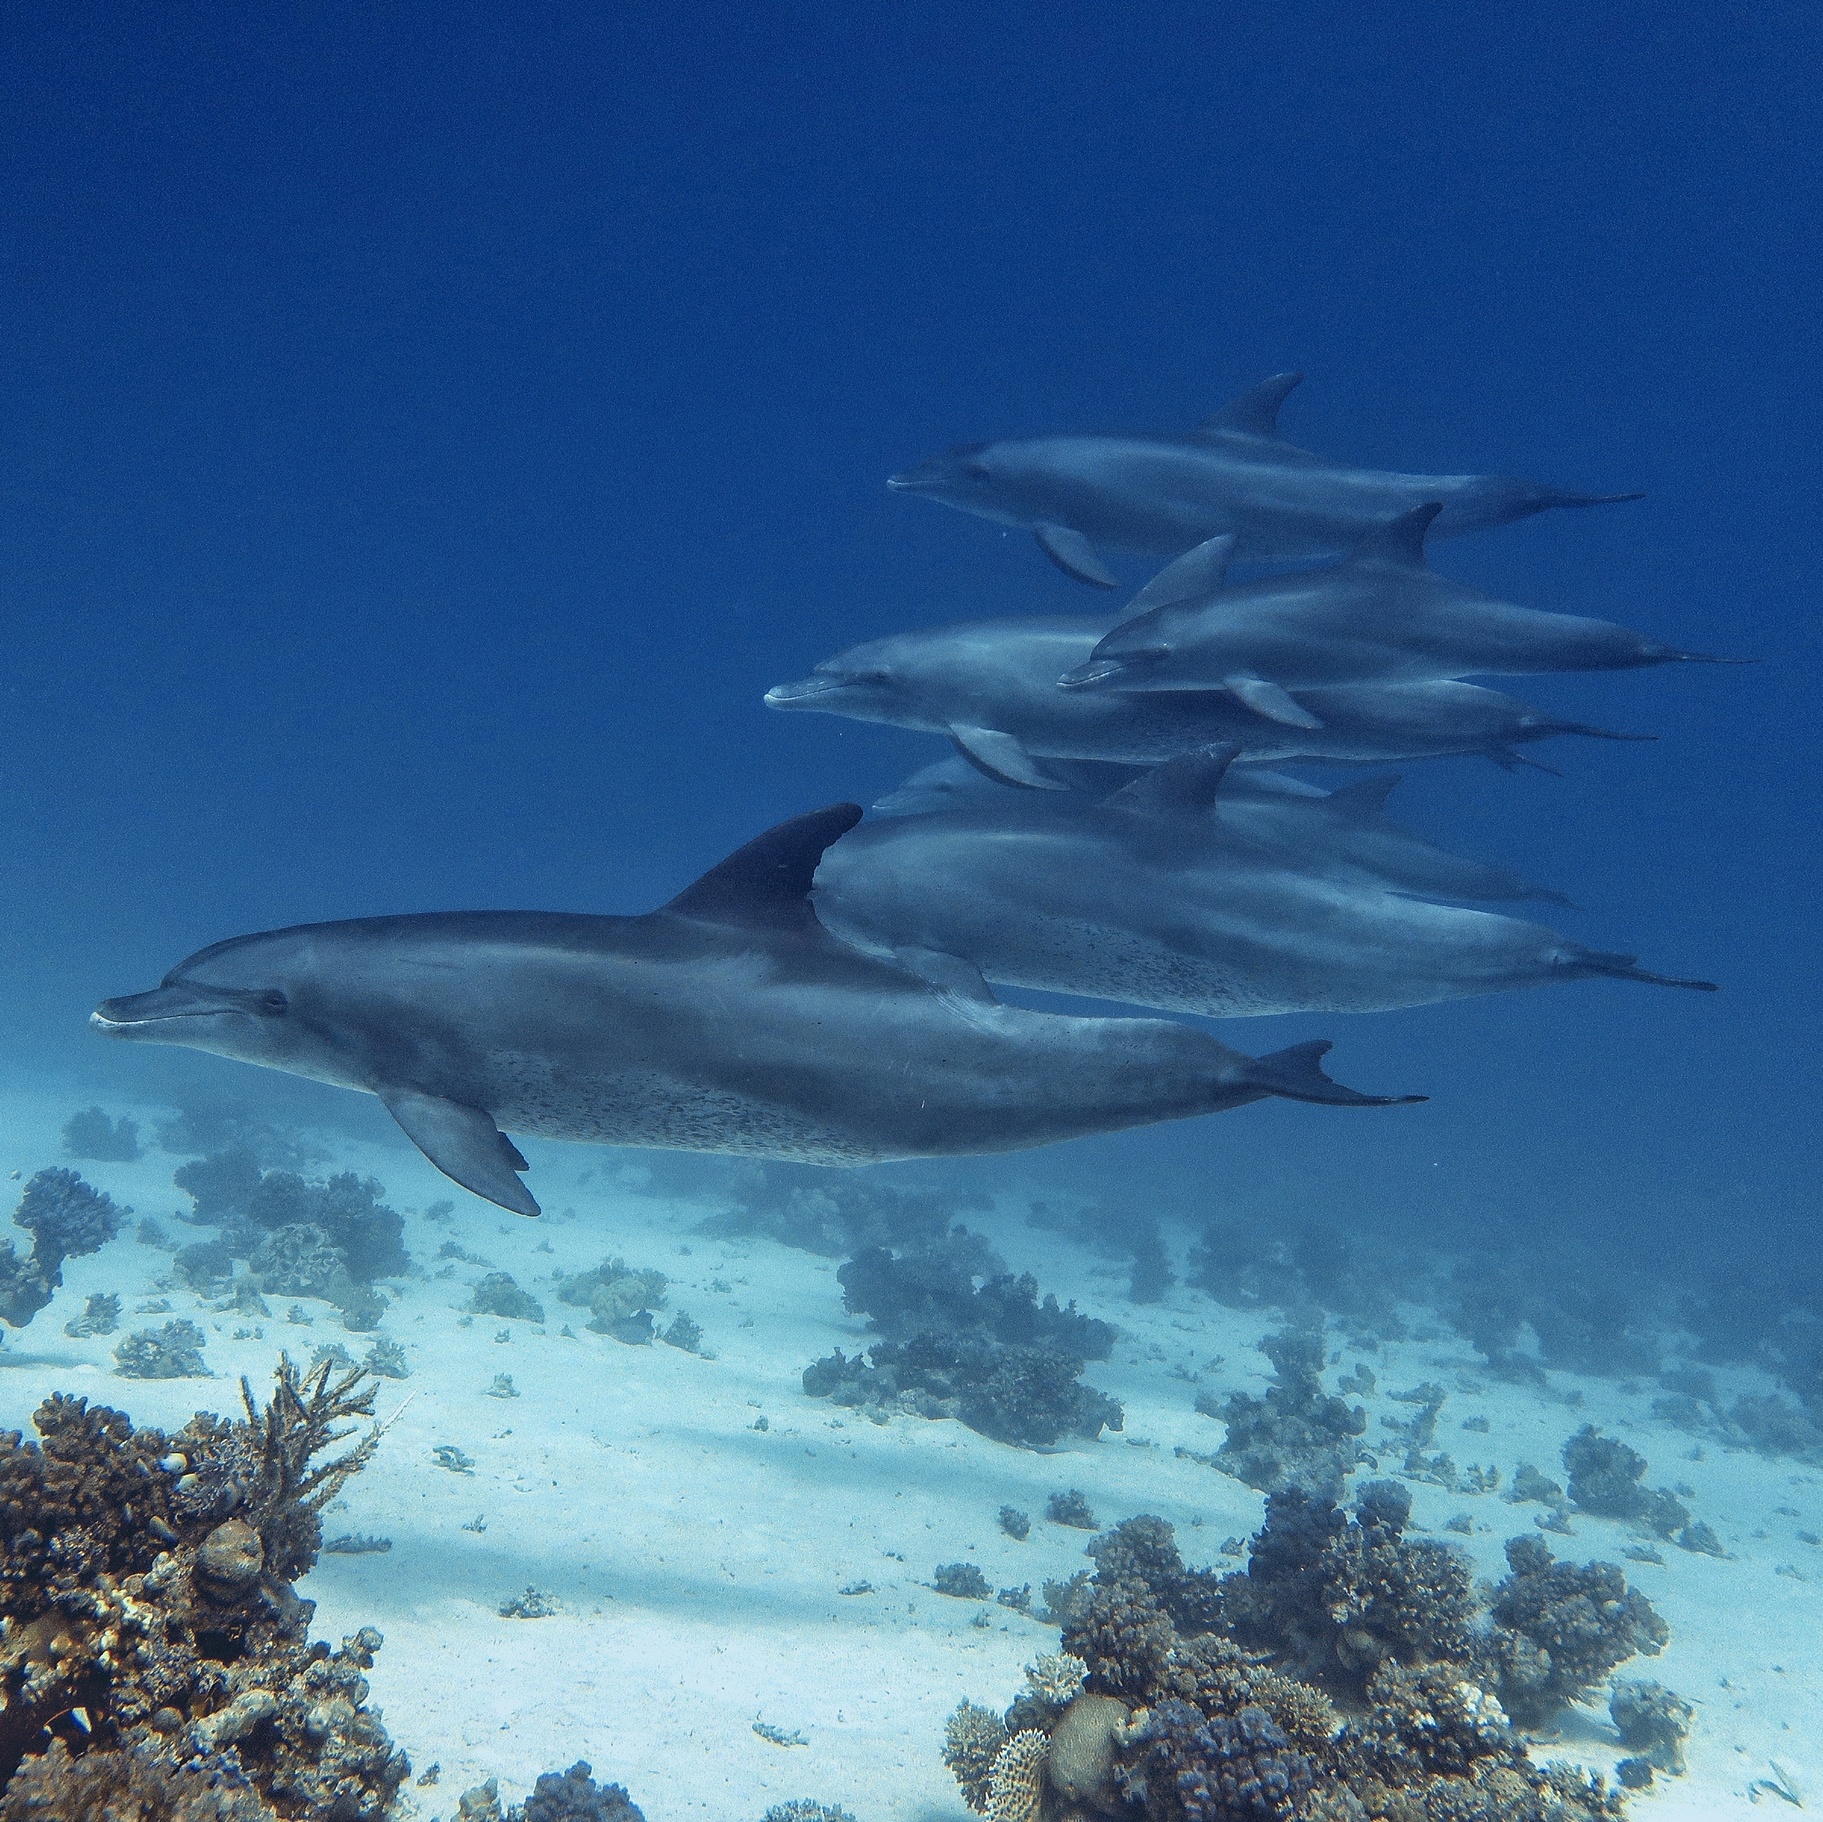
[1109,829]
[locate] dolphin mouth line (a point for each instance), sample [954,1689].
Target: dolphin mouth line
[783,695]
[101,1022]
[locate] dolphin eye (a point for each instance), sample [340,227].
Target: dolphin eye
[273,1003]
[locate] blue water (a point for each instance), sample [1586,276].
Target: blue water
[428,431]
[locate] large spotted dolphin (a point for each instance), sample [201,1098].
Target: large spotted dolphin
[729,1020]
[1166,897]
[1382,615]
[990,686]
[1234,475]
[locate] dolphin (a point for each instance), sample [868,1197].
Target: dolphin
[990,687]
[1382,615]
[1344,832]
[1233,475]
[729,1020]
[1148,898]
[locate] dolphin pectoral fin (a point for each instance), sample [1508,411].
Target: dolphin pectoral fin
[1270,700]
[465,1144]
[1186,782]
[1297,1075]
[1256,412]
[1002,758]
[1196,574]
[1073,554]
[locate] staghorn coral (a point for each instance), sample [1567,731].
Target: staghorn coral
[66,1218]
[1295,1434]
[1559,1628]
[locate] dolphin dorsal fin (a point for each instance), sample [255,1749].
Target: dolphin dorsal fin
[1399,540]
[1256,412]
[1365,797]
[1197,573]
[1189,781]
[768,881]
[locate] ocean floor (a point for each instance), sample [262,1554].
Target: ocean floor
[724,1552]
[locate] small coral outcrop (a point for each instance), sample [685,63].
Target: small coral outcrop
[619,1297]
[92,1135]
[66,1218]
[1295,1434]
[146,1580]
[498,1294]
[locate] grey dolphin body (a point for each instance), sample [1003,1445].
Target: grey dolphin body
[1149,899]
[728,1021]
[1233,475]
[1380,616]
[991,687]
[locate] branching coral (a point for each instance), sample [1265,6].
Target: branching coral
[66,1218]
[146,1580]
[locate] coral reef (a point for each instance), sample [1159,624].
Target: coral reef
[1198,1705]
[92,1135]
[145,1580]
[1115,1234]
[992,1356]
[1605,1327]
[620,1299]
[1307,1274]
[172,1352]
[66,1218]
[684,1333]
[498,1294]
[835,1212]
[1295,1434]
[1070,1507]
[574,1796]
[386,1359]
[1016,1524]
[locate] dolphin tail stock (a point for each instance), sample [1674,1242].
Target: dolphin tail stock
[1579,964]
[1296,1074]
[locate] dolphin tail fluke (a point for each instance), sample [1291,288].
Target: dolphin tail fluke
[1583,962]
[1297,1075]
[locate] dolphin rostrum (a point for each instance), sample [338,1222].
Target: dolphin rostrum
[1233,475]
[729,1020]
[1382,615]
[990,686]
[1150,898]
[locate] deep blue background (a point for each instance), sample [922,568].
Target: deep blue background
[428,429]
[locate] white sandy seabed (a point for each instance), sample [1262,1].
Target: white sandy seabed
[697,1558]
